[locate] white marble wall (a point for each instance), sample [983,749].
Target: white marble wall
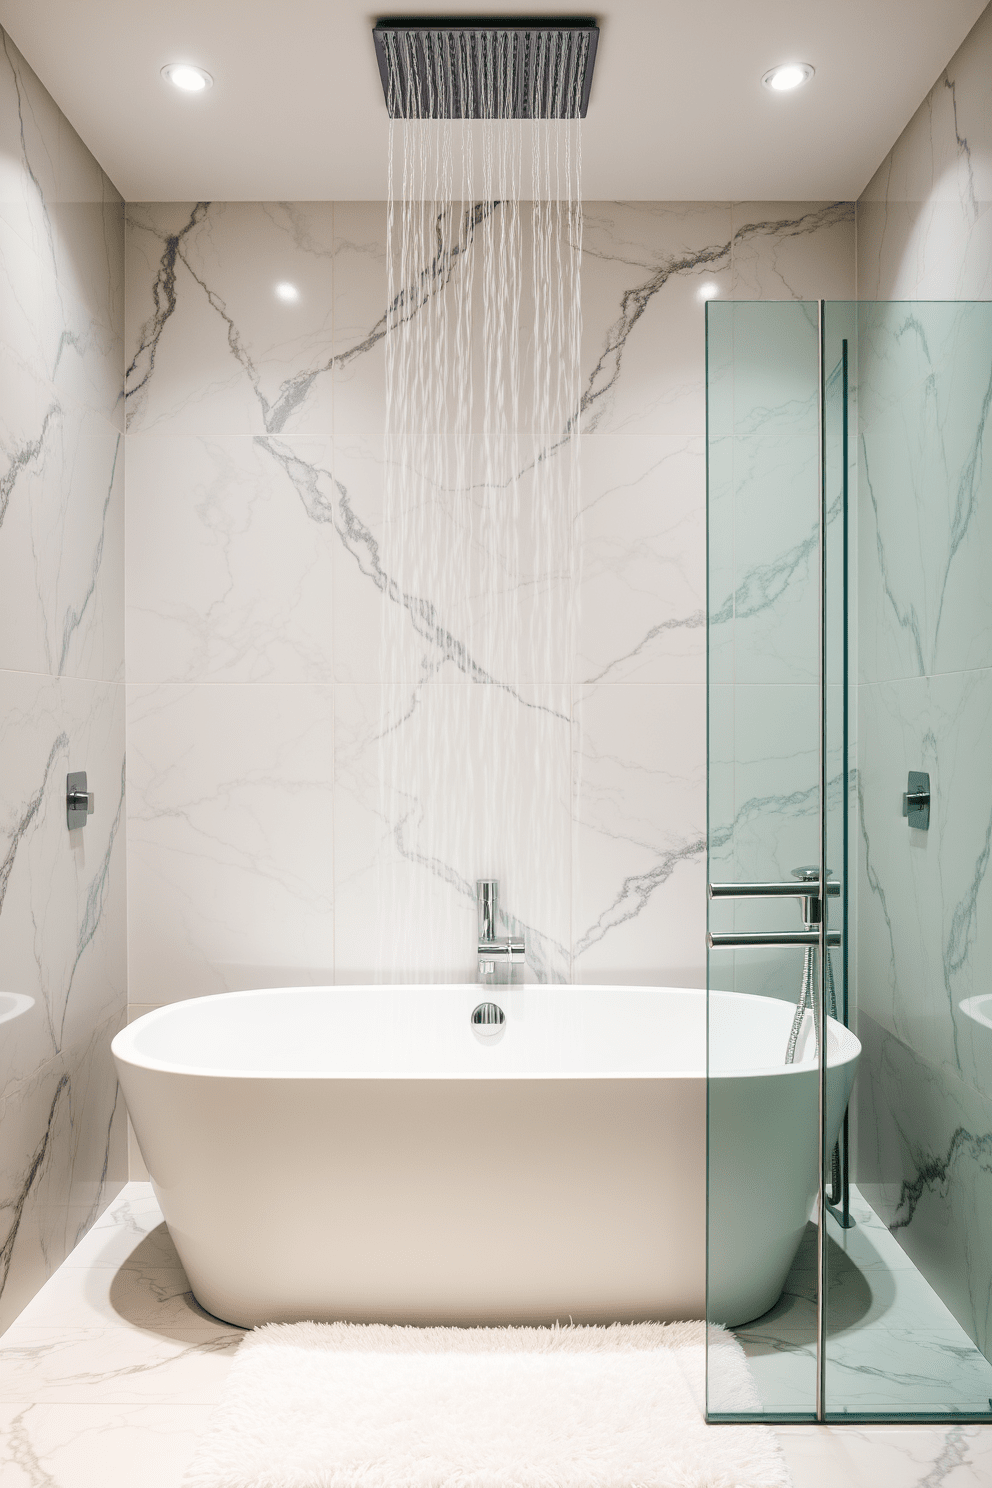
[925,691]
[764,623]
[259,848]
[62,895]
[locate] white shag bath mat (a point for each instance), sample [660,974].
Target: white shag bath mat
[317,1405]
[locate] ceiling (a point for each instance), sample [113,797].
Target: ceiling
[677,109]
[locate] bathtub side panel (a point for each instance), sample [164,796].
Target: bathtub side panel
[762,1182]
[422,1201]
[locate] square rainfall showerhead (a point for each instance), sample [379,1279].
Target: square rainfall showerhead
[486,68]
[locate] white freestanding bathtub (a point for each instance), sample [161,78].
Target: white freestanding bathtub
[362,1153]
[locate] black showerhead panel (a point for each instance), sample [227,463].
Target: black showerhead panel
[443,67]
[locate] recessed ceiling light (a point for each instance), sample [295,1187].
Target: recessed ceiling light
[189,79]
[790,75]
[287,292]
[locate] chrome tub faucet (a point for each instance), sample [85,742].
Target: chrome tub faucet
[499,955]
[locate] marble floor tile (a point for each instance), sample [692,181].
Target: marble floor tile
[137,1294]
[107,1379]
[114,1366]
[93,1446]
[130,1217]
[888,1456]
[892,1343]
[140,1238]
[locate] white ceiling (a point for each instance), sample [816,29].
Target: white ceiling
[677,110]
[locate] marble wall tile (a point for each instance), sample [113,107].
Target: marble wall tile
[925,477]
[61,466]
[792,250]
[62,894]
[57,198]
[437,785]
[63,354]
[62,552]
[454,587]
[477,568]
[63,972]
[647,269]
[360,299]
[763,820]
[88,222]
[475,239]
[924,381]
[231,837]
[212,348]
[641,581]
[619,600]
[925,1137]
[925,218]
[361,572]
[231,544]
[763,492]
[925,896]
[639,843]
[29,149]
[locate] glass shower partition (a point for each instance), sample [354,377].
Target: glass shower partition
[849,537]
[763,419]
[908,1287]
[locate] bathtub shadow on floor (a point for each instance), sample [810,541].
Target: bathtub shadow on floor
[855,1297]
[151,1292]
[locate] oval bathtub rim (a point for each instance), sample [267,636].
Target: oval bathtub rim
[121,1046]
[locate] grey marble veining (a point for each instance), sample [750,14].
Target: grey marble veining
[62,927]
[925,696]
[61,475]
[925,1141]
[111,1373]
[892,1343]
[263,422]
[132,1370]
[62,950]
[924,220]
[924,433]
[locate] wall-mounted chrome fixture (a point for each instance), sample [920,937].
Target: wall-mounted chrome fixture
[805,886]
[778,939]
[498,955]
[78,800]
[916,800]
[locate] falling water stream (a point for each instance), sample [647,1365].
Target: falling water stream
[480,492]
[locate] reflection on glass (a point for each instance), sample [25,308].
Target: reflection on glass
[881,413]
[13,1004]
[764,731]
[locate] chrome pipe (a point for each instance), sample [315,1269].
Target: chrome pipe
[740,940]
[487,901]
[795,889]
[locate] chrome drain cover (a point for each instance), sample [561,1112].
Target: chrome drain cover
[488,1019]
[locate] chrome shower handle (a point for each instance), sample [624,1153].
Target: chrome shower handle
[795,889]
[78,799]
[719,940]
